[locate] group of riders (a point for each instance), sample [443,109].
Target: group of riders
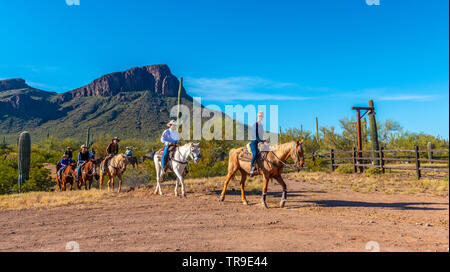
[170,138]
[85,155]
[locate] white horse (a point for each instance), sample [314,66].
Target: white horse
[178,164]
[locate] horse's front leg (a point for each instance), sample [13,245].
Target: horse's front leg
[120,183]
[264,191]
[178,172]
[284,195]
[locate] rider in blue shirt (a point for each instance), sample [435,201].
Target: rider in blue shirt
[63,163]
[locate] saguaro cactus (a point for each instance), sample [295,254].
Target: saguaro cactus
[373,133]
[87,137]
[24,154]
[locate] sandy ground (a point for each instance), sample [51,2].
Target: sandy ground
[313,220]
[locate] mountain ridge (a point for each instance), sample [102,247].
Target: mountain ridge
[133,103]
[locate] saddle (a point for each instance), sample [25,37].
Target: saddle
[171,150]
[246,154]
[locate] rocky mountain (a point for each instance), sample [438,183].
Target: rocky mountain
[133,103]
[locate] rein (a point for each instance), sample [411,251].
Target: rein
[178,150]
[297,159]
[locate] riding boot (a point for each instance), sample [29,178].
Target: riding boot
[253,171]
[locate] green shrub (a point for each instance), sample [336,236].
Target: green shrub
[40,180]
[373,171]
[317,165]
[345,169]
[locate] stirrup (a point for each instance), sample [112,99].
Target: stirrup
[253,171]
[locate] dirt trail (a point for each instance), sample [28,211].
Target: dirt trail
[313,220]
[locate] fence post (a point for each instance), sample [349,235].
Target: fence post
[381,156]
[355,170]
[430,154]
[332,159]
[416,149]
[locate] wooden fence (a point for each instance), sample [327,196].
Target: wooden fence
[382,158]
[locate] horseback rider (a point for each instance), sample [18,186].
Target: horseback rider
[111,150]
[258,134]
[92,153]
[65,161]
[170,139]
[68,152]
[83,157]
[128,152]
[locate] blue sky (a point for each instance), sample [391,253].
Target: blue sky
[311,58]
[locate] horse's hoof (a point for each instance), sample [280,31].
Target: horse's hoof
[264,205]
[221,199]
[245,203]
[282,203]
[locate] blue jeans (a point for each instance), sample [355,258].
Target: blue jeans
[78,169]
[254,148]
[164,156]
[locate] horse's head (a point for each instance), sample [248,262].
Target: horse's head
[195,152]
[297,154]
[123,161]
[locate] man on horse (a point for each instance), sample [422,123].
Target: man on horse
[68,152]
[128,152]
[170,139]
[65,161]
[83,157]
[258,134]
[111,150]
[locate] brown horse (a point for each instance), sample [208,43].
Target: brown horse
[270,165]
[116,167]
[88,172]
[68,175]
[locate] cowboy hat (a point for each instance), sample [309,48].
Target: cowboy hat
[172,122]
[116,138]
[83,146]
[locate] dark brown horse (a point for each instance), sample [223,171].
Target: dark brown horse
[88,172]
[68,176]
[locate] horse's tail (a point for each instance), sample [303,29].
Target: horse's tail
[233,163]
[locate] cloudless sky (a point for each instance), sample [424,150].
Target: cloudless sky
[311,58]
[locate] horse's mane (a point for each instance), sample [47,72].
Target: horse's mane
[284,146]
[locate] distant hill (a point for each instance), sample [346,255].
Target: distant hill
[133,103]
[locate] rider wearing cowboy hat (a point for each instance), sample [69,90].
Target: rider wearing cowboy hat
[68,152]
[170,137]
[83,157]
[112,149]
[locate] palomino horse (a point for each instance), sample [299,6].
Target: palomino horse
[88,172]
[115,168]
[68,175]
[178,164]
[271,166]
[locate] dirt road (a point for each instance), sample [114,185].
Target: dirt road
[313,220]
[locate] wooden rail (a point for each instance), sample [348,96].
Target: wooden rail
[380,157]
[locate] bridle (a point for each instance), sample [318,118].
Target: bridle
[121,168]
[297,158]
[191,154]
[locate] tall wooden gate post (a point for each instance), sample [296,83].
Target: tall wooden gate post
[416,150]
[381,160]
[332,159]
